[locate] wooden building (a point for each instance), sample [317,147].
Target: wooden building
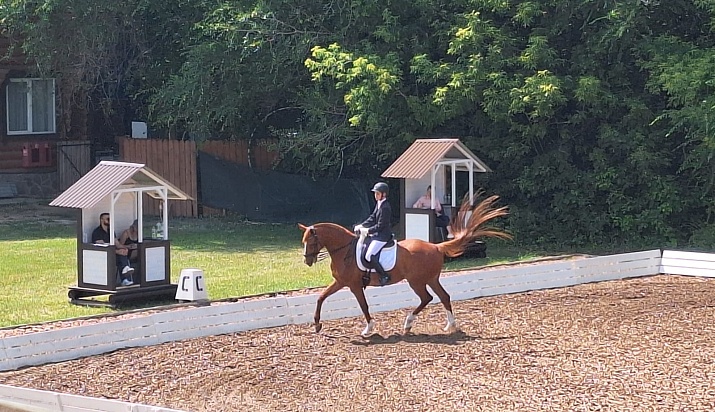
[38,115]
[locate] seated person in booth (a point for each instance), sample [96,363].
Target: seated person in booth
[130,239]
[100,235]
[425,202]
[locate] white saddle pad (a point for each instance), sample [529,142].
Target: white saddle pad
[388,256]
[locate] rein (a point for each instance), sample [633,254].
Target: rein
[322,255]
[340,248]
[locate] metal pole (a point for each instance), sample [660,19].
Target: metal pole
[471,183]
[165,218]
[112,218]
[140,217]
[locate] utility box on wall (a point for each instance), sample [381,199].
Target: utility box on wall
[139,130]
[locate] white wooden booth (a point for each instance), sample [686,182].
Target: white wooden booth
[118,188]
[435,163]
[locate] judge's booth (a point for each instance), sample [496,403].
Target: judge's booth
[120,189]
[441,164]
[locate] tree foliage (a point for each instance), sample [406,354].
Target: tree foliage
[112,52]
[596,116]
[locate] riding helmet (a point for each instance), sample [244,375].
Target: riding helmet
[381,187]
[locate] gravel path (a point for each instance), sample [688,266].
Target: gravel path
[634,345]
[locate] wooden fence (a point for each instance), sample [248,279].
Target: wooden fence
[174,161]
[259,156]
[73,161]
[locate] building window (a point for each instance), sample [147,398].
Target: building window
[30,106]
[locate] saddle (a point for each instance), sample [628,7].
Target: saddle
[387,256]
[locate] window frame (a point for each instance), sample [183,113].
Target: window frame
[29,82]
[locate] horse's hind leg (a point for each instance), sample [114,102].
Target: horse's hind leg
[425,299]
[446,302]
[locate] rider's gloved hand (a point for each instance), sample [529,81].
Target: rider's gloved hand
[363,231]
[357,228]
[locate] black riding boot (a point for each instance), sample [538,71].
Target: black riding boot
[384,277]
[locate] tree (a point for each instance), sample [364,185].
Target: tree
[111,54]
[594,115]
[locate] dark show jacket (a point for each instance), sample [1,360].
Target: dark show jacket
[379,223]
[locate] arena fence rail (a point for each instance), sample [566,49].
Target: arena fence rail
[98,338]
[32,400]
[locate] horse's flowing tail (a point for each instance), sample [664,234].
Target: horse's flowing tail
[468,229]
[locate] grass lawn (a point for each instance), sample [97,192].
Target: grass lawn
[38,263]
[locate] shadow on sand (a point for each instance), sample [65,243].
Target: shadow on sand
[455,338]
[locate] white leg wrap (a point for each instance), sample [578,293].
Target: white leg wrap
[409,321]
[451,322]
[368,329]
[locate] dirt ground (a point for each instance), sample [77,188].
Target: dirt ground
[634,345]
[25,209]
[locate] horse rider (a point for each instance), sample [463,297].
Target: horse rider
[379,227]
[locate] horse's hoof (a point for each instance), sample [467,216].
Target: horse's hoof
[368,329]
[407,331]
[318,327]
[409,321]
[450,328]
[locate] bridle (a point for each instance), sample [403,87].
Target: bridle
[317,255]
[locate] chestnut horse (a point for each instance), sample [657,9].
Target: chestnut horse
[418,262]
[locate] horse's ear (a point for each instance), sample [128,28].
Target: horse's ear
[302,227]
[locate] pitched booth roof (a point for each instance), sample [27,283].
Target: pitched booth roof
[109,176]
[419,158]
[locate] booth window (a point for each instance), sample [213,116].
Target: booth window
[30,106]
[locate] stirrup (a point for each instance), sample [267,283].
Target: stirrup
[365,279]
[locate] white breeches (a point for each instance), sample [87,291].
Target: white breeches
[373,248]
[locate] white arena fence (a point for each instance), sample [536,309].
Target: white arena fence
[687,263]
[32,400]
[95,339]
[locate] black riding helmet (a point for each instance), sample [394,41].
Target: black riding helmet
[381,187]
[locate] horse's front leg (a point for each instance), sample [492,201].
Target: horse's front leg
[360,296]
[332,288]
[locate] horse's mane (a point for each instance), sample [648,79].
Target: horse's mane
[334,226]
[349,257]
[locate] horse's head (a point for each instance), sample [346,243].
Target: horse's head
[334,238]
[311,244]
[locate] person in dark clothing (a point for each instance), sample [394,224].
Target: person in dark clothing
[379,227]
[100,235]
